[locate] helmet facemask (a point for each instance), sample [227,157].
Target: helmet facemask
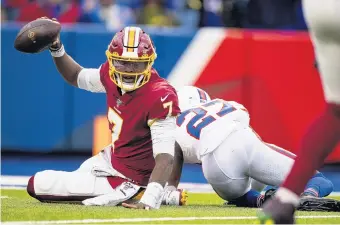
[129,73]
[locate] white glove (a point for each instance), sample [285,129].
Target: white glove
[120,194]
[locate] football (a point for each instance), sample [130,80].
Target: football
[37,35]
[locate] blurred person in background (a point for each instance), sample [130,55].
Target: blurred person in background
[3,12]
[186,12]
[265,14]
[213,11]
[113,15]
[3,15]
[10,8]
[271,14]
[209,12]
[31,10]
[155,13]
[234,13]
[66,11]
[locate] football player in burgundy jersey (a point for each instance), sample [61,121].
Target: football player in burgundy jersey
[141,110]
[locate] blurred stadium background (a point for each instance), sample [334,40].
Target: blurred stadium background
[261,58]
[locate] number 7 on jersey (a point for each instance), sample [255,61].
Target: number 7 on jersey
[116,122]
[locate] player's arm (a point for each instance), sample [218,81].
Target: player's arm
[72,72]
[162,123]
[176,173]
[65,64]
[163,141]
[67,67]
[84,78]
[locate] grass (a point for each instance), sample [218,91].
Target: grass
[19,206]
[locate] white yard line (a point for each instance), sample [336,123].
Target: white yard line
[131,220]
[14,180]
[20,182]
[3,196]
[13,188]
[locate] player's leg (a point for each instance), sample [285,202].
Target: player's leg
[257,186]
[60,186]
[50,185]
[252,199]
[225,169]
[323,21]
[101,160]
[270,164]
[93,178]
[318,186]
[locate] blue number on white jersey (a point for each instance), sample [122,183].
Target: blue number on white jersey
[195,131]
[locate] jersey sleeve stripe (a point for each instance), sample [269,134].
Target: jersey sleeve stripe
[281,151]
[150,122]
[201,94]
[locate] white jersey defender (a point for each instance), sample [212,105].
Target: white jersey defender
[216,133]
[202,129]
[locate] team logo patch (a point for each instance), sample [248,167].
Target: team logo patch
[127,188]
[118,102]
[31,35]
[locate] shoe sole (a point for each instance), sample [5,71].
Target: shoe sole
[319,204]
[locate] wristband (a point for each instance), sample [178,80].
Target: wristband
[58,53]
[170,188]
[153,195]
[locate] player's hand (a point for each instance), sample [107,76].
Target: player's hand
[35,39]
[56,44]
[138,205]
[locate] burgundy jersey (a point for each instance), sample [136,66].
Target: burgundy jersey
[129,117]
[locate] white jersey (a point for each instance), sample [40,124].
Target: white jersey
[202,129]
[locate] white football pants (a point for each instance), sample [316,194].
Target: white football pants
[323,20]
[242,162]
[89,180]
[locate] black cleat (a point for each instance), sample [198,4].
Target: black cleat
[260,200]
[276,212]
[308,203]
[269,194]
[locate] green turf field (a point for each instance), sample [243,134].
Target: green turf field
[16,205]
